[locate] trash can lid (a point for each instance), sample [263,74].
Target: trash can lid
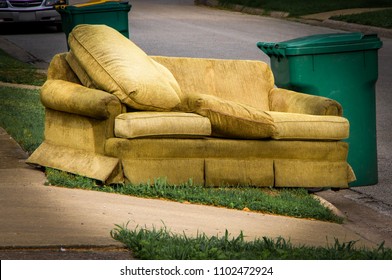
[322,43]
[94,5]
[95,2]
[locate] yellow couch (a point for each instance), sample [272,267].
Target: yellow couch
[115,114]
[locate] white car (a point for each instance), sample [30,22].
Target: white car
[29,11]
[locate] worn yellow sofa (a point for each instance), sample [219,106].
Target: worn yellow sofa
[115,114]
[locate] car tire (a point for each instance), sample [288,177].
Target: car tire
[59,27]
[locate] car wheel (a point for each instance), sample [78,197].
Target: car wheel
[59,27]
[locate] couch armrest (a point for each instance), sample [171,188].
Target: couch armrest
[76,99]
[283,100]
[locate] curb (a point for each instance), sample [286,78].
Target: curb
[3,84]
[383,32]
[66,253]
[351,27]
[242,9]
[330,206]
[21,54]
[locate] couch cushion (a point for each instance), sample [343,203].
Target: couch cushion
[79,71]
[145,124]
[231,119]
[118,66]
[309,127]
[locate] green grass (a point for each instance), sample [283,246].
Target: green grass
[21,112]
[304,7]
[381,19]
[15,71]
[22,116]
[288,202]
[163,245]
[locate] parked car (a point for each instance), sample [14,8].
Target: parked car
[42,11]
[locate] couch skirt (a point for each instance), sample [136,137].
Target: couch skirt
[222,162]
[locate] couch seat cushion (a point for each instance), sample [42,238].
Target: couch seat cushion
[118,66]
[147,124]
[309,127]
[230,119]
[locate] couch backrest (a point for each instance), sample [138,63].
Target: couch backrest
[244,81]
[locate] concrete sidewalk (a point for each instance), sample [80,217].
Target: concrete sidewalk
[327,15]
[320,19]
[35,216]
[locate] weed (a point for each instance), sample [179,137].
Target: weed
[15,71]
[22,116]
[381,19]
[162,244]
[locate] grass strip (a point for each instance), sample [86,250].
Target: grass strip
[15,71]
[22,116]
[305,7]
[381,18]
[161,244]
[288,202]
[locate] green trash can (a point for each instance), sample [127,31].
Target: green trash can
[113,14]
[343,67]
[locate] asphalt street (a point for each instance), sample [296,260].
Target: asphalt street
[179,28]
